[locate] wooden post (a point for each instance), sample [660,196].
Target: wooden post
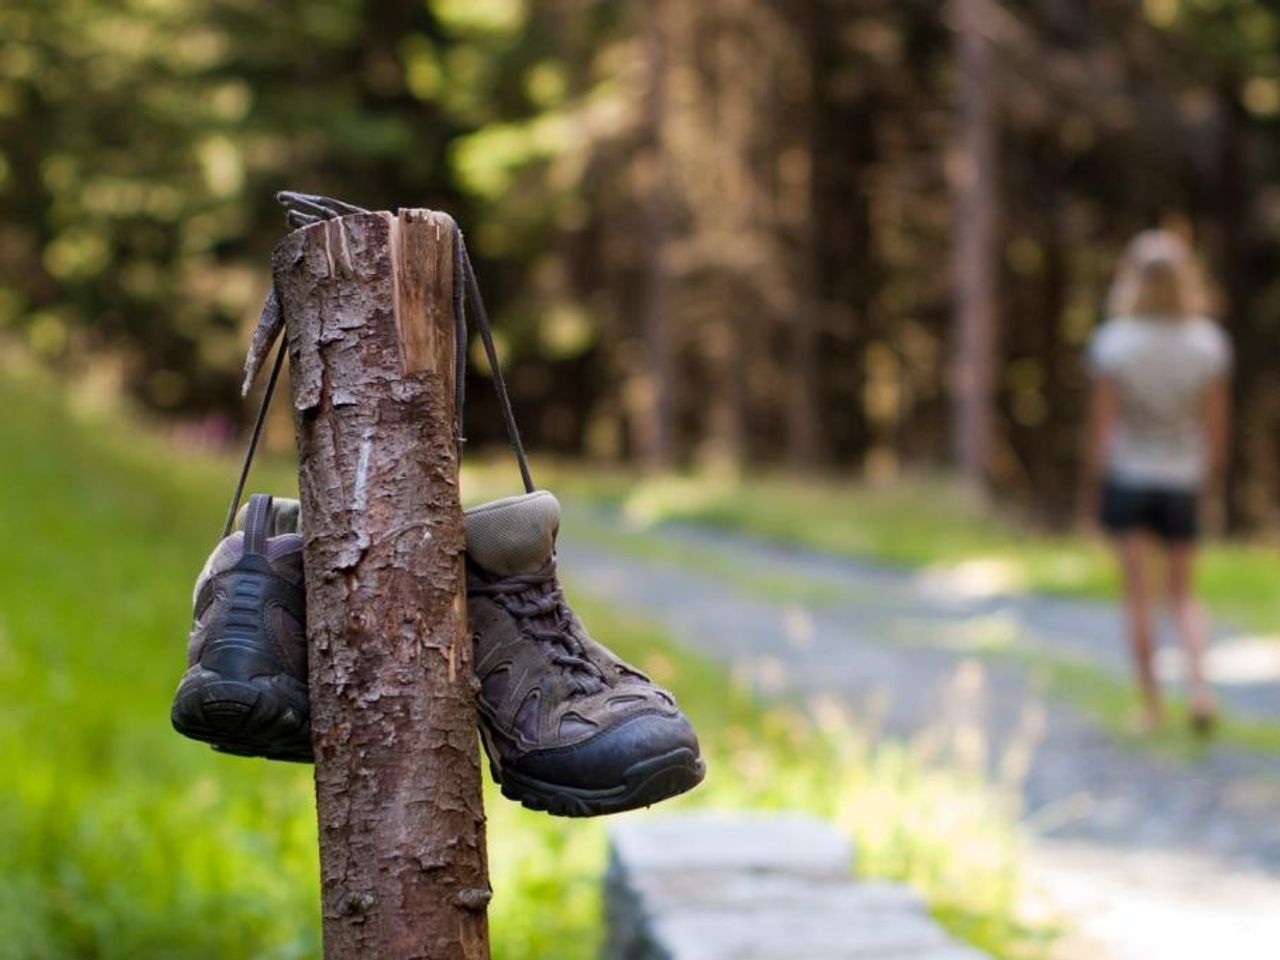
[367,302]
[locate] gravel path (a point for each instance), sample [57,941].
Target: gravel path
[1151,856]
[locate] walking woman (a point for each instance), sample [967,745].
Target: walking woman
[1156,445]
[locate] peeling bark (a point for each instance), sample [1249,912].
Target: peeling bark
[367,301]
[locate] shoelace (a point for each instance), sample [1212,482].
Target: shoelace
[537,604]
[305,209]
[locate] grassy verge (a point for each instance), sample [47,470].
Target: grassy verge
[122,840]
[914,523]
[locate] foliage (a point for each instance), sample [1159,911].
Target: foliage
[126,841]
[712,233]
[143,142]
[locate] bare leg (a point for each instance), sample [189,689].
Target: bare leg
[1137,604]
[1192,630]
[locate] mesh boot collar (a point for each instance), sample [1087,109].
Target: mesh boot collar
[514,535]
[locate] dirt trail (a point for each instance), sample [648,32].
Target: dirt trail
[1153,857]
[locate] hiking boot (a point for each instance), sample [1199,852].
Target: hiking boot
[568,727]
[245,689]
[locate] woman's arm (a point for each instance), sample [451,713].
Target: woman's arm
[1217,422]
[1097,439]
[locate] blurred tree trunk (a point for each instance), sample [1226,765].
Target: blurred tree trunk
[847,282]
[726,222]
[973,370]
[1052,475]
[654,427]
[803,433]
[1250,487]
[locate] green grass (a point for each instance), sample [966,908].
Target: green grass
[122,840]
[915,523]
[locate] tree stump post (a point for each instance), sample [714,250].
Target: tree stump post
[368,307]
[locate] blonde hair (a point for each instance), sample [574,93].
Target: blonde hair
[1158,276]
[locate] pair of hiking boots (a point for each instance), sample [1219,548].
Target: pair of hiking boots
[568,727]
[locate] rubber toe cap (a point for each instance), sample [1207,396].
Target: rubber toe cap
[603,761]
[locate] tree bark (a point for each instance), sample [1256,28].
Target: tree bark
[973,370]
[367,301]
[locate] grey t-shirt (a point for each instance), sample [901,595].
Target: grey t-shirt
[1160,368]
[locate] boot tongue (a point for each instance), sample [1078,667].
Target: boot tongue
[514,535]
[286,517]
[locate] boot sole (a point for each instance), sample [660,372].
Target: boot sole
[644,784]
[266,716]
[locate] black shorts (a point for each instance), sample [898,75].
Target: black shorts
[1170,514]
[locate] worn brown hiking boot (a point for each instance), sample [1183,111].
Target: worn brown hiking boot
[245,689]
[569,728]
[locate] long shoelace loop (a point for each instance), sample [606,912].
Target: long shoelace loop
[305,209]
[258,424]
[465,276]
[537,604]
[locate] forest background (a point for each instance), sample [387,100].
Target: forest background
[865,236]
